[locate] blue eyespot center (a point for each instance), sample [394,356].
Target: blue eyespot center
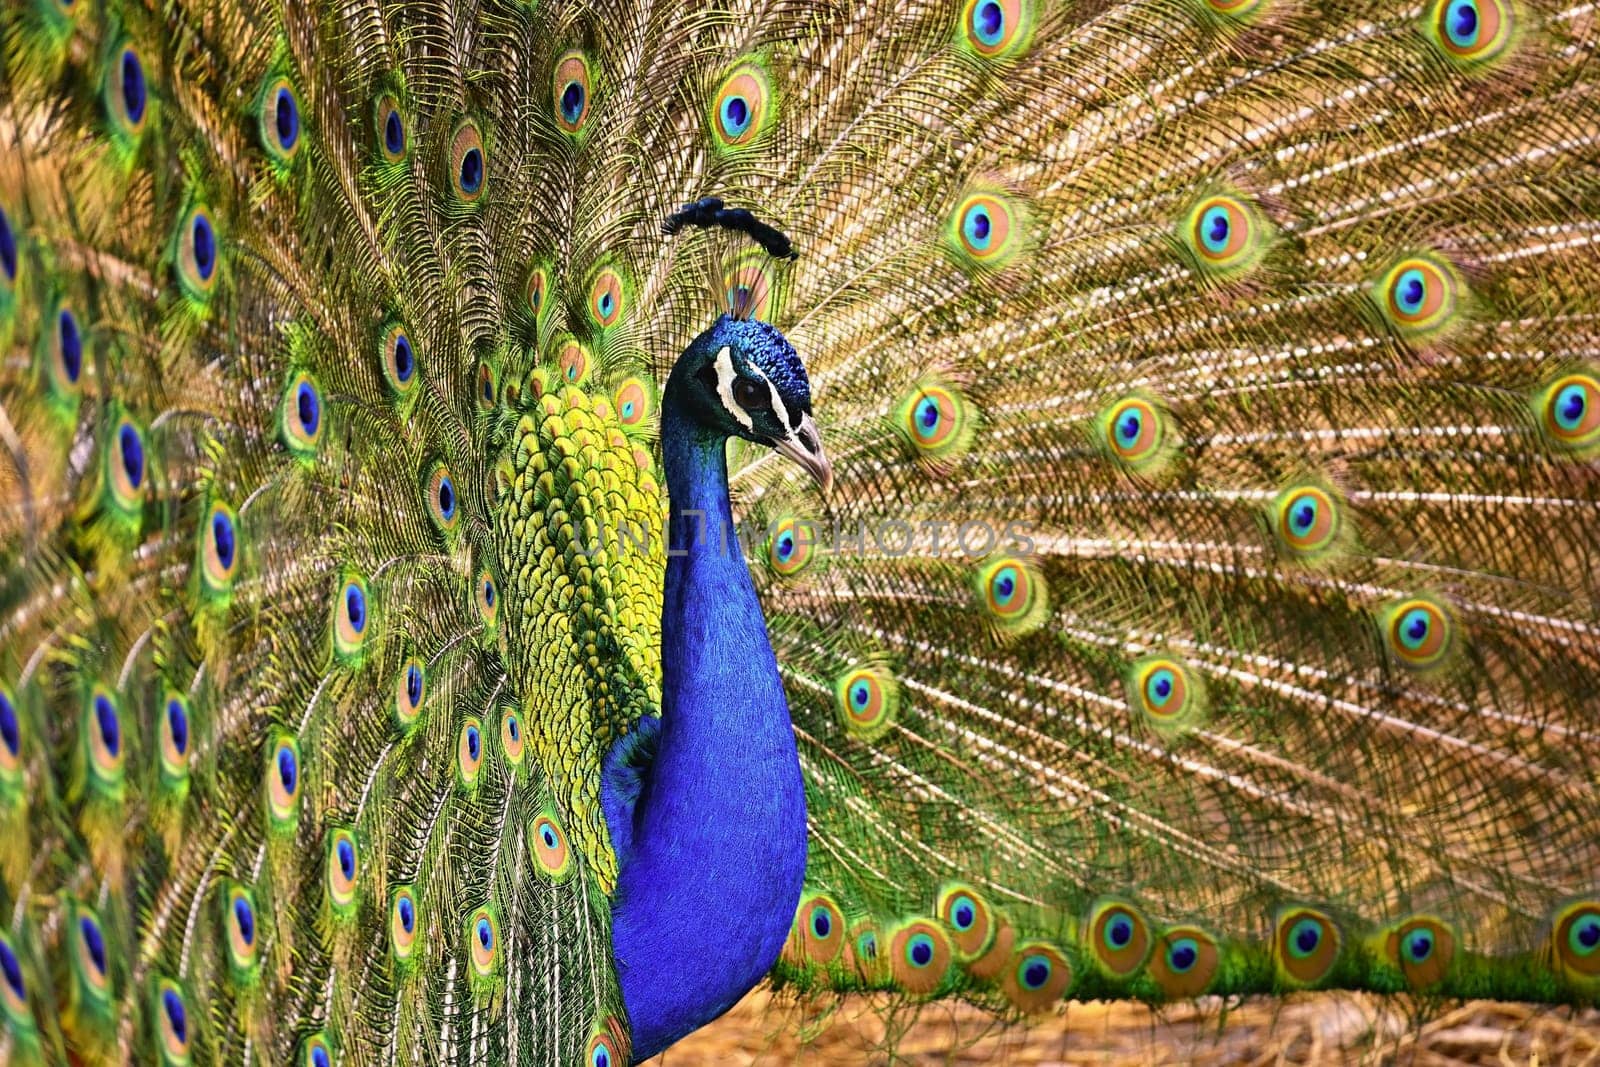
[11,968]
[319,1057]
[1128,429]
[308,408]
[94,942]
[927,416]
[1419,945]
[860,694]
[473,742]
[735,115]
[110,730]
[177,1017]
[1587,932]
[471,170]
[347,858]
[132,449]
[1410,290]
[222,539]
[1035,972]
[394,134]
[414,684]
[1005,584]
[178,727]
[920,951]
[1414,627]
[548,836]
[133,95]
[8,247]
[964,914]
[1182,955]
[821,924]
[1304,516]
[977,227]
[868,946]
[288,773]
[404,363]
[447,498]
[203,240]
[488,593]
[355,608]
[572,102]
[10,729]
[71,344]
[601,1057]
[485,934]
[1463,23]
[1307,935]
[408,914]
[286,114]
[244,920]
[1571,403]
[988,22]
[514,729]
[1120,931]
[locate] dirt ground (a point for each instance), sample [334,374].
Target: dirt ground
[1314,1028]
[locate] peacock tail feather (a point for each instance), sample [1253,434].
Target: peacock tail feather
[1206,602]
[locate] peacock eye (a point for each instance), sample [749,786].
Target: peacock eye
[751,395]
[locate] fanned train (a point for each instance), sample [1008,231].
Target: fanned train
[416,645]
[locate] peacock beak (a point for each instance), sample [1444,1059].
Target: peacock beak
[804,446]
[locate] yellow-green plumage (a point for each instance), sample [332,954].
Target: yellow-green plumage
[1206,602]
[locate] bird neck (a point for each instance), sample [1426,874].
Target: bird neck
[715,849]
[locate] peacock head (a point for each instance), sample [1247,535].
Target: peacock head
[742,378]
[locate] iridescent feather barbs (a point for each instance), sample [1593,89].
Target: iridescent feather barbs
[1205,602]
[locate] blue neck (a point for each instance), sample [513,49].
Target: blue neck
[713,848]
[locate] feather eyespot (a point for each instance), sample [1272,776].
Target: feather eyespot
[1184,962]
[608,297]
[792,547]
[1576,937]
[1418,295]
[219,547]
[1134,432]
[316,1051]
[469,165]
[283,780]
[1307,522]
[10,740]
[1569,411]
[410,688]
[90,960]
[487,597]
[1419,633]
[488,386]
[572,87]
[750,288]
[512,741]
[1471,32]
[1039,976]
[66,353]
[819,931]
[868,700]
[342,867]
[1225,235]
[1119,939]
[741,107]
[573,363]
[936,419]
[608,1046]
[635,402]
[969,917]
[103,737]
[198,256]
[536,291]
[399,357]
[176,744]
[1423,948]
[550,849]
[351,617]
[1013,594]
[172,1022]
[126,94]
[919,956]
[483,940]
[239,920]
[1306,946]
[125,466]
[469,752]
[301,419]
[403,923]
[279,118]
[389,124]
[985,229]
[444,506]
[996,28]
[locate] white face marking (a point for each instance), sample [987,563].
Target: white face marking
[772,395]
[725,376]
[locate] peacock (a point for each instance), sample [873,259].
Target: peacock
[525,519]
